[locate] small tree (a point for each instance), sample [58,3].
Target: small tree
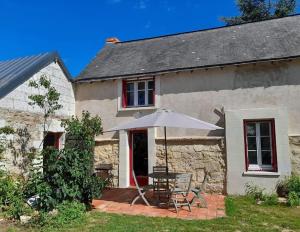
[258,10]
[47,100]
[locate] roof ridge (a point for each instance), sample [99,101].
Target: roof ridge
[204,30]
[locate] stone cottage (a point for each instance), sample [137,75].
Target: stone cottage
[14,91]
[244,78]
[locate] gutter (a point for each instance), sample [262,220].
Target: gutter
[116,77]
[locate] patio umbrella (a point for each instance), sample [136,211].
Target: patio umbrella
[166,118]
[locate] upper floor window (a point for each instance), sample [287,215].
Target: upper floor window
[138,93]
[260,145]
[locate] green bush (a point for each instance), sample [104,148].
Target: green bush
[69,211]
[293,184]
[290,188]
[255,192]
[271,199]
[68,173]
[11,197]
[293,199]
[65,213]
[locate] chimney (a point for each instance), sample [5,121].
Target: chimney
[112,40]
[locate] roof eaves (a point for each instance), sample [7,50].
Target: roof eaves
[122,76]
[21,77]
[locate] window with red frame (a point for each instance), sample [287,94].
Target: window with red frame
[52,139]
[260,145]
[138,93]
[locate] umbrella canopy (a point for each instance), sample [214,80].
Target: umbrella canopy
[166,118]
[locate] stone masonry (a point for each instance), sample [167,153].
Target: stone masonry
[18,120]
[107,152]
[295,154]
[194,156]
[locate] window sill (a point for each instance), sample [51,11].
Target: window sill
[138,108]
[260,173]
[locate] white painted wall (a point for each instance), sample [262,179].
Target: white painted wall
[18,98]
[237,177]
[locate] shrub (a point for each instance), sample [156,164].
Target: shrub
[68,173]
[293,199]
[66,212]
[282,188]
[290,188]
[293,184]
[257,193]
[69,211]
[254,192]
[271,199]
[12,198]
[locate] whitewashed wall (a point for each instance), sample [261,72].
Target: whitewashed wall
[18,98]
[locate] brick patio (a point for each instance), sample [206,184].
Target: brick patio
[118,201]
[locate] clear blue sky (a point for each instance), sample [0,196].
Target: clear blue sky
[78,29]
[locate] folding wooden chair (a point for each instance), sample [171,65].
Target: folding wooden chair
[141,191]
[180,192]
[198,191]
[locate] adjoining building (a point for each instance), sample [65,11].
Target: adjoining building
[15,111]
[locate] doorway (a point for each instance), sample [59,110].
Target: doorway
[139,156]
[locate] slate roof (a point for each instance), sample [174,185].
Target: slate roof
[15,72]
[259,41]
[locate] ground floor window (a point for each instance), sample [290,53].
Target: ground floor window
[260,145]
[52,139]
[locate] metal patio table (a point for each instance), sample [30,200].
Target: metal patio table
[169,176]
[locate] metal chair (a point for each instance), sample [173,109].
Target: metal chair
[180,192]
[200,190]
[160,183]
[141,191]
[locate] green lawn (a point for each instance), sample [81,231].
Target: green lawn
[242,215]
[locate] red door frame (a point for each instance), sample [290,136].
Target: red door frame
[131,132]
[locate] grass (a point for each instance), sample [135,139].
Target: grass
[242,215]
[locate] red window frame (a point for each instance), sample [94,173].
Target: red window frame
[56,142]
[273,137]
[124,92]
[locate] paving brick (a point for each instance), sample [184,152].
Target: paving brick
[118,201]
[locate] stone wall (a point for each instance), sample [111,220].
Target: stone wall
[194,156]
[33,122]
[295,154]
[107,152]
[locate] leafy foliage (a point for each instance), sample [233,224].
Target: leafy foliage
[293,198]
[254,191]
[68,173]
[292,184]
[11,197]
[257,10]
[65,213]
[258,195]
[20,148]
[47,99]
[290,187]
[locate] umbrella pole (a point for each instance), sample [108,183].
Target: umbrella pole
[166,151]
